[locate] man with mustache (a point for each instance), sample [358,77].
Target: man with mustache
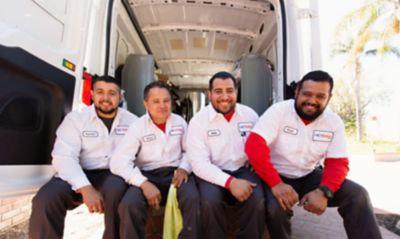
[286,148]
[215,145]
[85,142]
[151,158]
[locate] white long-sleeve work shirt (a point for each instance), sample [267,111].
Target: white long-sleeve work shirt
[84,142]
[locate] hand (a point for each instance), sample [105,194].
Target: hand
[180,177]
[241,189]
[92,199]
[285,195]
[314,202]
[152,194]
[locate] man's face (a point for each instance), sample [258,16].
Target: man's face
[312,99]
[158,104]
[106,97]
[223,95]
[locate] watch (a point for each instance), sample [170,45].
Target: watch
[327,192]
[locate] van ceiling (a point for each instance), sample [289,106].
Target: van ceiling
[191,40]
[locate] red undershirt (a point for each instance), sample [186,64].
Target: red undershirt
[161,126]
[256,148]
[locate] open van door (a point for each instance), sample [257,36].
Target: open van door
[41,53]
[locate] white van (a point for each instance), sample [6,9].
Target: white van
[50,49]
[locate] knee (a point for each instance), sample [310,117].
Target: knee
[257,199]
[210,203]
[44,199]
[189,199]
[273,209]
[116,191]
[134,207]
[360,195]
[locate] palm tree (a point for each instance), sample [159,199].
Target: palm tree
[376,21]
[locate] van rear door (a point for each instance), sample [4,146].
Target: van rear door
[42,45]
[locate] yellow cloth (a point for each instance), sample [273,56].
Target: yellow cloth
[172,216]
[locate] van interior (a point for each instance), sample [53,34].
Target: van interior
[187,41]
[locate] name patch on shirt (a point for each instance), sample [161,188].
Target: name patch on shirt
[176,130]
[149,138]
[322,136]
[90,134]
[290,130]
[245,126]
[121,129]
[213,133]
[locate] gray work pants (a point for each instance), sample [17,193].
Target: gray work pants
[352,199]
[133,207]
[50,205]
[215,199]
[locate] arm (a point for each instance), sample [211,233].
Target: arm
[122,161]
[66,153]
[200,157]
[335,172]
[122,164]
[259,155]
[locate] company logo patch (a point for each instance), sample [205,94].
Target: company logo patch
[245,126]
[121,129]
[90,134]
[149,138]
[322,136]
[176,130]
[213,133]
[290,130]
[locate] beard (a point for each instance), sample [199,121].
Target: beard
[308,116]
[105,112]
[229,110]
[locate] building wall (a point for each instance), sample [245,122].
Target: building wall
[14,211]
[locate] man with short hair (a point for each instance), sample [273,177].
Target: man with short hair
[215,142]
[286,147]
[150,158]
[85,142]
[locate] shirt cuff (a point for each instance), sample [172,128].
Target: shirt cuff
[228,182]
[79,182]
[137,180]
[221,179]
[186,166]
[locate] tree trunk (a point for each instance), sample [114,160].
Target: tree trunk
[357,99]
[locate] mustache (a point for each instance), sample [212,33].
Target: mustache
[105,101]
[310,104]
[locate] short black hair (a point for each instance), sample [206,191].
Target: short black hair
[318,76]
[222,75]
[154,84]
[106,78]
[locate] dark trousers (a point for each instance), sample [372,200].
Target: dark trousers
[50,205]
[133,207]
[215,199]
[352,200]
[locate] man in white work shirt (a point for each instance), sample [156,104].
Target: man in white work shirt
[287,146]
[152,150]
[215,146]
[85,142]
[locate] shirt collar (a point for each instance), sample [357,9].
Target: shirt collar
[93,114]
[212,114]
[150,121]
